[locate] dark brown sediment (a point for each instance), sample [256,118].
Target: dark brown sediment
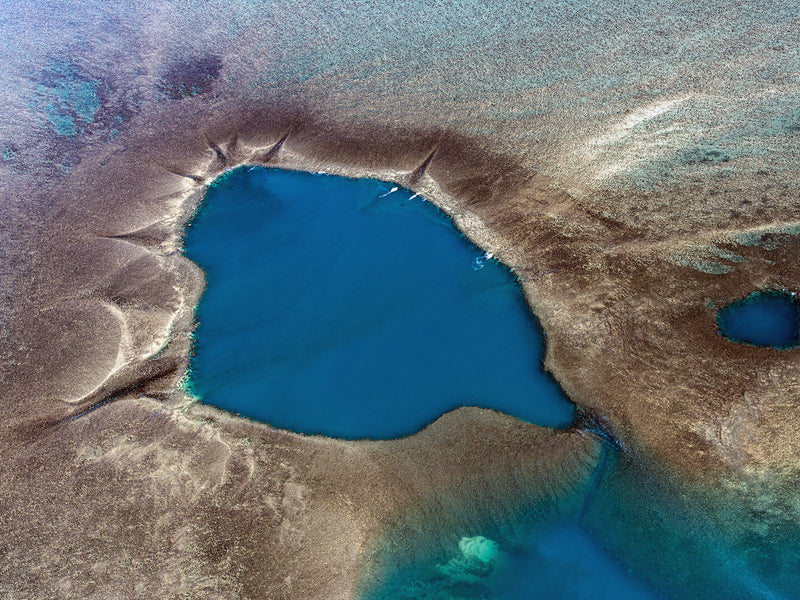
[208,505]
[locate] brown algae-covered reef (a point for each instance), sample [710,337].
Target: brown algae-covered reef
[637,171]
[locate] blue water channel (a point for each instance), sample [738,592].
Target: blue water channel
[340,307]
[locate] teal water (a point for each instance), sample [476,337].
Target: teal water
[560,563]
[353,309]
[522,556]
[694,542]
[764,318]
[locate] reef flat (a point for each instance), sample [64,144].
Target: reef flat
[635,165]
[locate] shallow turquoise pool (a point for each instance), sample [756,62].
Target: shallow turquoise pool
[560,563]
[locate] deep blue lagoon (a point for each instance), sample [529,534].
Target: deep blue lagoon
[764,318]
[348,308]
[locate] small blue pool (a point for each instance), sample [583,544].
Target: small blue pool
[764,318]
[354,309]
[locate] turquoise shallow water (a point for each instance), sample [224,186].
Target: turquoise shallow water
[764,318]
[561,563]
[341,307]
[524,555]
[693,543]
